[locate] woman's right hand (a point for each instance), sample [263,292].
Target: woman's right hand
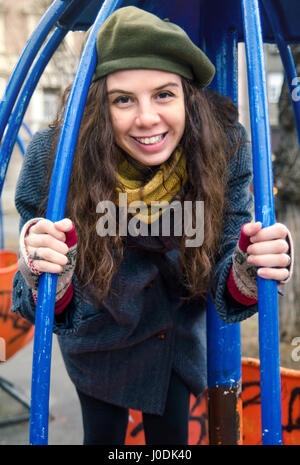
[45,243]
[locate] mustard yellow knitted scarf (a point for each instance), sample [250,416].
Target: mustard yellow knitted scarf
[162,187]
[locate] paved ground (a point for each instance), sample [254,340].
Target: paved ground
[66,427]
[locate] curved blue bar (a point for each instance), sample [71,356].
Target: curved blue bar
[26,59]
[24,99]
[55,211]
[264,212]
[287,61]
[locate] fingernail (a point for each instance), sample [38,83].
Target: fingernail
[261,273]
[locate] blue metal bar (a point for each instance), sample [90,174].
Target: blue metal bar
[287,61]
[264,212]
[223,350]
[24,99]
[28,55]
[223,340]
[55,211]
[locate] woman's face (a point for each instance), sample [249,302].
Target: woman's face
[148,113]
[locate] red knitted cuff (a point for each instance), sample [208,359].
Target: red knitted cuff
[62,303]
[244,240]
[71,237]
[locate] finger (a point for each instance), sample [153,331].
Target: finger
[47,227]
[48,255]
[47,267]
[252,228]
[273,273]
[64,225]
[268,247]
[267,260]
[46,241]
[276,231]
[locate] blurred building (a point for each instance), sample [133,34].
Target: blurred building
[18,20]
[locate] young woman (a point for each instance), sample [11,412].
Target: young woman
[130,304]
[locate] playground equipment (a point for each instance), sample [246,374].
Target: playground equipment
[251,21]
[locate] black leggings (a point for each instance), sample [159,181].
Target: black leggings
[105,423]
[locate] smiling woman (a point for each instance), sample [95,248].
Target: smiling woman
[148,116]
[130,308]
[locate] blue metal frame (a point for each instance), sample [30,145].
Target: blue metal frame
[55,211]
[18,113]
[223,340]
[264,212]
[26,59]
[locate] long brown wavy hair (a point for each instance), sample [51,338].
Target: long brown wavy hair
[209,141]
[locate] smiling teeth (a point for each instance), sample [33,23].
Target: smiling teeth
[149,140]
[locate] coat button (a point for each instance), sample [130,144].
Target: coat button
[161,335]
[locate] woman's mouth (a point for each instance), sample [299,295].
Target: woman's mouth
[150,140]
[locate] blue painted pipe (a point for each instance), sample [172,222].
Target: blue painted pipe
[264,212]
[55,211]
[223,350]
[223,340]
[287,61]
[24,99]
[26,59]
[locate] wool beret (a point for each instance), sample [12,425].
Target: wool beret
[132,38]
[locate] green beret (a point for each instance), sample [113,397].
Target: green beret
[132,38]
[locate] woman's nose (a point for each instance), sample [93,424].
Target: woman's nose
[147,115]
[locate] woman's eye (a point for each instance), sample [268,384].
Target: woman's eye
[164,95]
[123,100]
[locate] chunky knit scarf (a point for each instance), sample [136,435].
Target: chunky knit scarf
[162,187]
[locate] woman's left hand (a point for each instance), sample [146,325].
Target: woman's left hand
[269,249]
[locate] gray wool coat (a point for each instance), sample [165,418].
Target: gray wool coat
[123,352]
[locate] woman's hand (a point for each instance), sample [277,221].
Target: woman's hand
[269,249]
[45,243]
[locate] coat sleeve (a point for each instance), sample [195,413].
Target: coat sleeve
[240,212]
